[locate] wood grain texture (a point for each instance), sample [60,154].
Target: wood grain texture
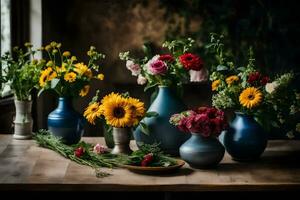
[25,166]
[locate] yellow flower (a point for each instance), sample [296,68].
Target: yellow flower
[53,44]
[66,54]
[28,45]
[61,69]
[92,112]
[231,79]
[73,58]
[215,85]
[48,48]
[84,91]
[44,76]
[49,63]
[117,111]
[58,45]
[138,110]
[70,77]
[52,75]
[250,97]
[82,69]
[100,77]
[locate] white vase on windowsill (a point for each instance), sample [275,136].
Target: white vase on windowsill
[23,121]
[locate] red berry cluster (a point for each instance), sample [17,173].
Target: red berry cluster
[79,152]
[148,158]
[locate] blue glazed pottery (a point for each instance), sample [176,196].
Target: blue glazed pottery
[161,131]
[65,122]
[202,152]
[245,139]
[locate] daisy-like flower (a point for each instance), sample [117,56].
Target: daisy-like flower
[232,79]
[84,91]
[92,112]
[250,97]
[70,77]
[215,85]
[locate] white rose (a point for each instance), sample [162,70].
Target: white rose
[141,80]
[271,87]
[198,76]
[134,68]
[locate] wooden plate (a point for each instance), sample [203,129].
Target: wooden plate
[155,170]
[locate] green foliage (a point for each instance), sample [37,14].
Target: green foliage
[159,158]
[21,71]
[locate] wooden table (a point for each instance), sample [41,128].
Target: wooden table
[25,166]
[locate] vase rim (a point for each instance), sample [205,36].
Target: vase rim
[242,113]
[163,86]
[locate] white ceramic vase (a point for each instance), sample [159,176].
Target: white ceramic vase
[23,120]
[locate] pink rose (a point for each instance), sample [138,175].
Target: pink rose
[198,76]
[141,80]
[134,68]
[156,66]
[99,149]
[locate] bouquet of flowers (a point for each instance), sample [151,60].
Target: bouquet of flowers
[238,88]
[173,68]
[284,96]
[21,71]
[247,90]
[203,120]
[65,75]
[118,110]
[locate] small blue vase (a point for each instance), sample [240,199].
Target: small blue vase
[65,122]
[245,139]
[202,152]
[161,131]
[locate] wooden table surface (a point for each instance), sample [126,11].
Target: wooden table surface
[25,166]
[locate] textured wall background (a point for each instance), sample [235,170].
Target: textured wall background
[112,27]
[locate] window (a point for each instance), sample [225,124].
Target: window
[5,37]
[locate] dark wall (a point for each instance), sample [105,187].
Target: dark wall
[112,27]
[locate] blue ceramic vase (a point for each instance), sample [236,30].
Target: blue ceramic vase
[65,122]
[161,131]
[245,139]
[202,152]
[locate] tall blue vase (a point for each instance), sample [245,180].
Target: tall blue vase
[245,140]
[161,131]
[65,122]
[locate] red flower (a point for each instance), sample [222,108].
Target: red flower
[264,80]
[203,120]
[79,152]
[191,61]
[254,77]
[147,159]
[166,58]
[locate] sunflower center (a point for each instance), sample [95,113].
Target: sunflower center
[251,96]
[119,112]
[94,109]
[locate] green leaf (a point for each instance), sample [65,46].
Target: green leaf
[222,68]
[150,85]
[144,128]
[241,69]
[54,82]
[151,114]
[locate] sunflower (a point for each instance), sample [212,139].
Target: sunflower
[70,77]
[250,97]
[215,85]
[44,76]
[100,77]
[231,79]
[137,106]
[84,91]
[92,112]
[117,111]
[82,69]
